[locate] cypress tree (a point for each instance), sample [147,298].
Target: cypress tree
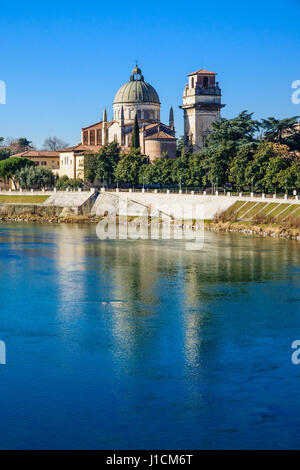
[135,136]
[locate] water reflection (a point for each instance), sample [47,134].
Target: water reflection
[162,334]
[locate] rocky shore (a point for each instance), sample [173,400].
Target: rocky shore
[270,230]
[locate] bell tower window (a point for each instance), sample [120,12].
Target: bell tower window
[205,82]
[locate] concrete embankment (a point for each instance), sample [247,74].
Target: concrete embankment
[57,206]
[256,215]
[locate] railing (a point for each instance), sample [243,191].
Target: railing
[194,192]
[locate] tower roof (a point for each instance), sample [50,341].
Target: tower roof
[202,71]
[136,90]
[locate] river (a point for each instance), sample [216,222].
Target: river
[146,345]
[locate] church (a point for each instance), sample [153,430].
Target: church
[201,107]
[136,97]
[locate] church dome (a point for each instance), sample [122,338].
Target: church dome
[136,90]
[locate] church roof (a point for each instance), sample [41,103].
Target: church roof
[159,131]
[202,71]
[136,90]
[160,135]
[97,125]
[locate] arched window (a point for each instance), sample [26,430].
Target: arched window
[192,82]
[205,82]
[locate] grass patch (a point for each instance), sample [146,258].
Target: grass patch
[287,212]
[245,208]
[278,209]
[257,208]
[10,199]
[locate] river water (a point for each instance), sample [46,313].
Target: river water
[145,345]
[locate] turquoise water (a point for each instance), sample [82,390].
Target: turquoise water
[144,345]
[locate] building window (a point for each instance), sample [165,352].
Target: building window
[192,82]
[44,163]
[138,113]
[205,82]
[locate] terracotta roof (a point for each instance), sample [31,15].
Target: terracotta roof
[97,125]
[202,71]
[82,148]
[37,153]
[160,135]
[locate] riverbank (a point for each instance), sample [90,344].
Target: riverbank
[50,219]
[270,230]
[246,228]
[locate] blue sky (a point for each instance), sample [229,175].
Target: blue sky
[62,62]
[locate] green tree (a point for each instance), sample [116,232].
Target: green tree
[180,146]
[101,166]
[239,130]
[90,167]
[275,166]
[4,153]
[109,157]
[181,170]
[256,169]
[196,169]
[10,166]
[64,182]
[130,167]
[135,136]
[35,177]
[238,167]
[290,177]
[280,130]
[162,169]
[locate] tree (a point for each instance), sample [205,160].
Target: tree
[180,146]
[19,145]
[279,161]
[238,130]
[162,170]
[101,166]
[35,177]
[109,157]
[4,153]
[260,170]
[238,166]
[279,130]
[290,177]
[10,166]
[180,169]
[64,182]
[54,143]
[135,136]
[90,167]
[130,166]
[196,170]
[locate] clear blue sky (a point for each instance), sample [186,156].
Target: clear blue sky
[64,61]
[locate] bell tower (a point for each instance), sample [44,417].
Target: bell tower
[201,107]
